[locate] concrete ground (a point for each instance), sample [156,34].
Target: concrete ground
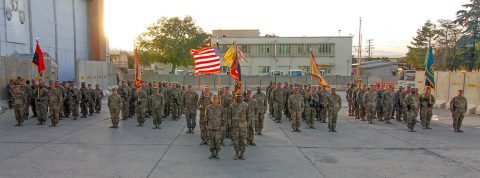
[89,148]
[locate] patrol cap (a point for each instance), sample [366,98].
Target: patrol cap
[279,83]
[249,91]
[215,97]
[83,83]
[460,90]
[17,86]
[51,82]
[259,88]
[238,95]
[333,89]
[114,89]
[190,85]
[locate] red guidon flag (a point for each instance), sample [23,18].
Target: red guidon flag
[138,72]
[206,61]
[38,59]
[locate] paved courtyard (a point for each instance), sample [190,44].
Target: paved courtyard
[89,148]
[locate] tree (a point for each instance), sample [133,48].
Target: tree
[271,35]
[448,33]
[419,45]
[169,41]
[469,18]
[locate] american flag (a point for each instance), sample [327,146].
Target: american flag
[206,61]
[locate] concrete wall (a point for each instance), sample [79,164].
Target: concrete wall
[96,72]
[447,84]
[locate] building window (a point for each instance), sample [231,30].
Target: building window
[245,48]
[264,49]
[263,69]
[325,48]
[283,49]
[224,69]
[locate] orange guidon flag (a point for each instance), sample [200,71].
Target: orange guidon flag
[314,71]
[138,72]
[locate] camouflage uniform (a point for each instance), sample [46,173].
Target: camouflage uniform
[214,119]
[310,99]
[334,106]
[190,99]
[27,90]
[18,101]
[350,101]
[388,102]
[361,104]
[370,102]
[458,107]
[356,105]
[270,101]
[141,101]
[251,118]
[54,103]
[175,100]
[66,101]
[379,106]
[278,100]
[225,101]
[203,102]
[157,102]
[238,116]
[74,98]
[85,98]
[260,109]
[296,106]
[98,99]
[427,100]
[286,93]
[125,94]
[41,101]
[114,105]
[91,102]
[323,100]
[411,106]
[398,105]
[64,98]
[404,109]
[10,89]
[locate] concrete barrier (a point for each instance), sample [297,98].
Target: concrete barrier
[442,90]
[472,91]
[457,80]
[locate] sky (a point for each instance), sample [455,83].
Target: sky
[391,24]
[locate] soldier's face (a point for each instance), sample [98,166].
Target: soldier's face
[259,90]
[17,89]
[238,99]
[215,101]
[114,92]
[459,93]
[189,88]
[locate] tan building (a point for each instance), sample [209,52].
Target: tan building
[267,54]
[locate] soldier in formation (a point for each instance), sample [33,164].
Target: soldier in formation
[296,105]
[19,98]
[190,106]
[411,104]
[311,98]
[334,106]
[54,104]
[260,109]
[156,103]
[41,101]
[238,116]
[349,92]
[427,100]
[369,102]
[214,119]
[458,107]
[114,105]
[251,117]
[203,102]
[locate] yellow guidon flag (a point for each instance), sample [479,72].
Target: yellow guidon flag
[314,71]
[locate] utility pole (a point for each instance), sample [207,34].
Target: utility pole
[359,48]
[369,48]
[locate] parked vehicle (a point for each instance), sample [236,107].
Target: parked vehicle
[275,72]
[296,72]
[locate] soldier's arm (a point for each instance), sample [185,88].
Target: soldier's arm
[451,104]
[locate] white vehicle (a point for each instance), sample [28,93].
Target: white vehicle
[296,72]
[407,77]
[275,72]
[179,72]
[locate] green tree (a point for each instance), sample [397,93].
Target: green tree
[448,33]
[169,41]
[419,45]
[469,18]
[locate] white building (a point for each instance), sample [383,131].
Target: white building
[265,54]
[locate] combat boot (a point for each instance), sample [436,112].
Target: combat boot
[236,155]
[216,155]
[113,126]
[212,155]
[242,156]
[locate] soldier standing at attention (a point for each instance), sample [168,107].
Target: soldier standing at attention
[334,105]
[361,103]
[98,98]
[270,101]
[310,99]
[203,102]
[402,99]
[19,98]
[74,98]
[175,95]
[427,100]
[370,102]
[215,122]
[66,100]
[458,106]
[278,100]
[286,93]
[190,106]
[11,89]
[412,106]
[32,99]
[349,98]
[54,102]
[356,105]
[131,100]
[141,101]
[238,116]
[398,104]
[379,107]
[388,102]
[84,100]
[260,109]
[251,117]
[64,97]
[157,102]
[28,91]
[125,93]
[41,101]
[296,104]
[91,102]
[323,100]
[114,105]
[225,100]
